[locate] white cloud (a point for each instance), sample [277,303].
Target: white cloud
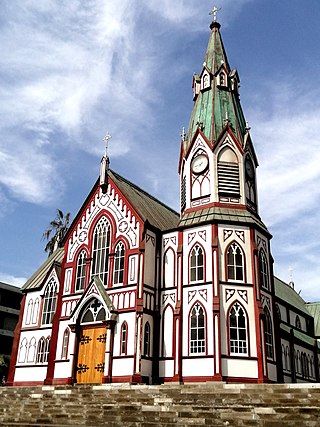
[12,280]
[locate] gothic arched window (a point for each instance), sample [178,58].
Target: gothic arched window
[263,270]
[123,338]
[197,330]
[235,264]
[46,350]
[65,343]
[23,351]
[238,330]
[29,312]
[196,264]
[146,340]
[100,250]
[49,303]
[268,333]
[31,350]
[119,264]
[81,271]
[40,350]
[298,322]
[228,175]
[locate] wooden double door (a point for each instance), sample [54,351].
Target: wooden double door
[91,354]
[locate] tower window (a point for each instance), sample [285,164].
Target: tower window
[263,270]
[100,251]
[238,330]
[123,338]
[235,263]
[228,174]
[268,333]
[197,330]
[196,263]
[146,341]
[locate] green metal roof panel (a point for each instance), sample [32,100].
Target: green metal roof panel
[220,215]
[289,295]
[314,309]
[36,280]
[148,207]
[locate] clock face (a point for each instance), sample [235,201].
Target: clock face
[199,164]
[249,168]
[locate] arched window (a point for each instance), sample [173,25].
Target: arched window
[278,312]
[81,271]
[49,303]
[298,322]
[263,270]
[250,185]
[29,312]
[23,351]
[284,358]
[228,175]
[169,268]
[40,350]
[46,350]
[222,79]
[235,262]
[196,264]
[100,250]
[65,344]
[123,338]
[31,350]
[197,330]
[119,264]
[268,333]
[35,311]
[94,312]
[238,330]
[146,341]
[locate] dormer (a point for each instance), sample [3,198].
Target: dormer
[196,83]
[234,80]
[205,79]
[222,77]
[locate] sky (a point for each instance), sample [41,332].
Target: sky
[72,71]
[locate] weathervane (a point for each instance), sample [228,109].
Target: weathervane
[183,134]
[106,140]
[214,13]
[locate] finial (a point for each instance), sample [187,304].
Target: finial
[247,128]
[183,134]
[106,140]
[214,13]
[200,123]
[291,282]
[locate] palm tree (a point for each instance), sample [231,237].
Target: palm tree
[56,231]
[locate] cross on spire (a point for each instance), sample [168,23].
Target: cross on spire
[106,140]
[214,12]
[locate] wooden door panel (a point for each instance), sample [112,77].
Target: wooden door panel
[92,346]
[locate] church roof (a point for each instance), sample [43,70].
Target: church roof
[148,207]
[218,105]
[314,310]
[38,277]
[289,296]
[220,214]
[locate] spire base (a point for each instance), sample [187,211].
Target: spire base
[215,24]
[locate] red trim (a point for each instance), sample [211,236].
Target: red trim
[15,346]
[194,379]
[26,383]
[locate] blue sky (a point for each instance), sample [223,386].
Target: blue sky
[71,71]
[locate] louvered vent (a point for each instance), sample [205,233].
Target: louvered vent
[228,179]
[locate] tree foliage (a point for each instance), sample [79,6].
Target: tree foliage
[56,231]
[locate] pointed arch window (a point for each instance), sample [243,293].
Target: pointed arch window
[268,333]
[29,312]
[93,312]
[298,322]
[146,340]
[81,271]
[235,263]
[250,183]
[263,270]
[65,343]
[123,338]
[23,351]
[46,350]
[196,264]
[228,174]
[31,350]
[35,313]
[40,350]
[100,250]
[119,264]
[49,303]
[238,339]
[197,330]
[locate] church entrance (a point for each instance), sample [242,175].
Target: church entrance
[91,355]
[92,344]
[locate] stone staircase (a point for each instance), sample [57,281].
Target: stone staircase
[205,404]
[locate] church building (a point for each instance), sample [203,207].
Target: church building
[138,293]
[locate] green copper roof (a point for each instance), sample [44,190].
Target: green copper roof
[220,214]
[214,105]
[314,310]
[289,295]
